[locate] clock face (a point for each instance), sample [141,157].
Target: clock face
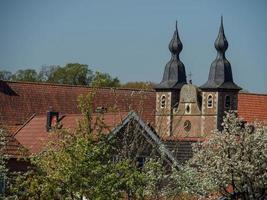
[187,125]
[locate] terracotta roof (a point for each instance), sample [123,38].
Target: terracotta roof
[19,100]
[34,136]
[252,106]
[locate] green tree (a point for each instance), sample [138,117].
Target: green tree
[72,73]
[139,85]
[77,165]
[46,72]
[5,75]
[104,80]
[29,75]
[3,169]
[235,158]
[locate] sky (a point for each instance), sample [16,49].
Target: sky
[129,39]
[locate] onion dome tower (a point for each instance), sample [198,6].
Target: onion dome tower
[220,75]
[220,92]
[168,90]
[174,76]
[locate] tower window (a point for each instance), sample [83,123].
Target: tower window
[187,108]
[210,101]
[227,103]
[163,101]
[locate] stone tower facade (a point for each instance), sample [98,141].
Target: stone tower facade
[187,111]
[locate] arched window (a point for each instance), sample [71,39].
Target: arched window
[187,109]
[210,101]
[227,102]
[163,101]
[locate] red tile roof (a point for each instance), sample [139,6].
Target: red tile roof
[252,106]
[19,100]
[34,136]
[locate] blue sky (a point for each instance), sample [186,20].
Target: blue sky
[129,39]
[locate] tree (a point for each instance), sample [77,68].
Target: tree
[85,163]
[139,85]
[80,165]
[47,72]
[235,158]
[29,75]
[72,73]
[5,75]
[104,80]
[3,169]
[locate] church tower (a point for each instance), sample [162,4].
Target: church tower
[168,90]
[219,93]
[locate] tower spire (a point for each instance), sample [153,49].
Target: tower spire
[175,45]
[220,75]
[221,43]
[174,76]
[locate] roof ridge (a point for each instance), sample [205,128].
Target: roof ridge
[81,86]
[253,93]
[80,114]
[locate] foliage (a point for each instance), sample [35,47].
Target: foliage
[72,73]
[104,80]
[156,179]
[76,166]
[235,158]
[85,163]
[139,85]
[3,169]
[5,75]
[188,180]
[26,75]
[46,72]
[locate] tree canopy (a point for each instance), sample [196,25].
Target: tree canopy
[104,80]
[235,158]
[73,74]
[29,75]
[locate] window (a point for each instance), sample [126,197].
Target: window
[210,101]
[163,101]
[227,102]
[187,108]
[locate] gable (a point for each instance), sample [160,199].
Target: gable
[148,135]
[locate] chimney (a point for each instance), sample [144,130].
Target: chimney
[52,119]
[101,110]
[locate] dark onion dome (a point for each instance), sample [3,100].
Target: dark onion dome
[174,76]
[220,75]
